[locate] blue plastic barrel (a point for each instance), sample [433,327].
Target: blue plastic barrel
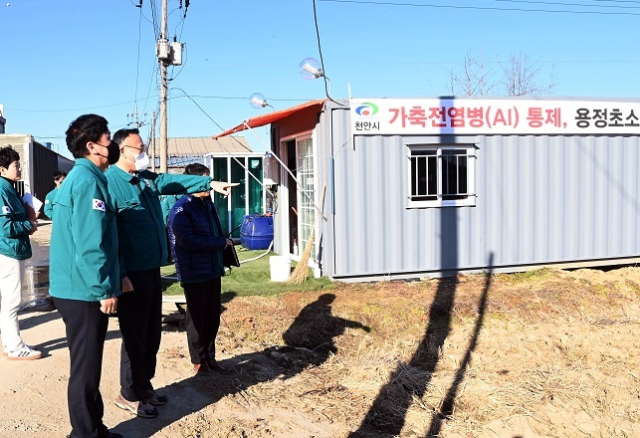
[256,231]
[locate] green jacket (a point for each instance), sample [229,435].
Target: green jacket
[141,226]
[84,238]
[167,202]
[14,225]
[48,203]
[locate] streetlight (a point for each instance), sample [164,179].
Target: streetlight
[258,101]
[310,68]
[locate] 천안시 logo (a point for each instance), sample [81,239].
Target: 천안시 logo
[367,109]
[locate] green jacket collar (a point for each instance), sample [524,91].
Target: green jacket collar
[88,164]
[128,177]
[5,183]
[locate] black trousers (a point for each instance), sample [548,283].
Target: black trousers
[203,318]
[140,318]
[86,328]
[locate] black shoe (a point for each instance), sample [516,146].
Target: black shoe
[216,367]
[103,432]
[155,399]
[139,408]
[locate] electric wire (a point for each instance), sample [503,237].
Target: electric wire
[618,1]
[219,142]
[480,8]
[154,17]
[138,62]
[324,76]
[566,4]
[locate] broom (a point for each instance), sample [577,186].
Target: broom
[299,274]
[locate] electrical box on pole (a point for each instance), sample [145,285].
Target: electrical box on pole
[163,51]
[176,53]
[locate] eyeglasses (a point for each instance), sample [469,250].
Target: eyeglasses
[144,148]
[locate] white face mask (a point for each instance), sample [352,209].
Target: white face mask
[142,161]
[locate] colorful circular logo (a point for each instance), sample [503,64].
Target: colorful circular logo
[367,109]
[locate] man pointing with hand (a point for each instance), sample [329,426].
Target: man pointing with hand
[143,250]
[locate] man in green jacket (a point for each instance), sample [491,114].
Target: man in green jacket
[58,177]
[85,274]
[15,248]
[142,242]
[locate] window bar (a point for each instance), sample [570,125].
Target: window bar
[458,171]
[414,161]
[425,161]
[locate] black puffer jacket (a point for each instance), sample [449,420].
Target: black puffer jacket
[196,239]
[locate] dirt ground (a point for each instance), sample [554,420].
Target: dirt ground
[543,354]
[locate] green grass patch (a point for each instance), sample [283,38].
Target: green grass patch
[535,275]
[252,278]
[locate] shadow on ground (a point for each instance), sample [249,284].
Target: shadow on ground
[310,340]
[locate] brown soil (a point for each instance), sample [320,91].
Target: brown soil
[548,353]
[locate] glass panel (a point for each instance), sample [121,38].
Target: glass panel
[238,196]
[220,174]
[424,182]
[255,189]
[462,172]
[306,185]
[454,174]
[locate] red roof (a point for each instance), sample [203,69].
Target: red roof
[266,119]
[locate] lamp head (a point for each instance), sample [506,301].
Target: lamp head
[310,69]
[258,101]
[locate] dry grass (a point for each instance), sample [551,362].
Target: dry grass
[555,355]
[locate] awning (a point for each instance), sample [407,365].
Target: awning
[265,119]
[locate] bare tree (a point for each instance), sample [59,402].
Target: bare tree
[475,79]
[523,77]
[520,76]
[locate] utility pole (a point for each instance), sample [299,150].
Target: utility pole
[164,42]
[152,142]
[168,54]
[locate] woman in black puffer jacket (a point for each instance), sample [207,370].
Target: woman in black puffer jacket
[197,244]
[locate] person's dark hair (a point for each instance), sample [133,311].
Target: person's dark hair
[120,136]
[196,169]
[59,174]
[7,156]
[84,129]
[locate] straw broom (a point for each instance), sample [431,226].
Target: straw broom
[299,274]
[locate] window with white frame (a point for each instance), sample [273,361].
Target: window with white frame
[441,175]
[306,192]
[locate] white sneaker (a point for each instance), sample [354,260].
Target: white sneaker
[24,353]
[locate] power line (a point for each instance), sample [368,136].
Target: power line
[480,8]
[618,1]
[324,75]
[138,55]
[567,4]
[28,110]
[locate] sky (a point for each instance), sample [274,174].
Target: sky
[63,58]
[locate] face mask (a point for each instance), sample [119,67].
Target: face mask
[114,153]
[142,161]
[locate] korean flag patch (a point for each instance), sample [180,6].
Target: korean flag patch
[99,205]
[6,209]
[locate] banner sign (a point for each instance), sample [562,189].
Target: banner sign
[493,116]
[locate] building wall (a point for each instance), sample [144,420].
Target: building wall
[38,163]
[22,144]
[541,200]
[44,162]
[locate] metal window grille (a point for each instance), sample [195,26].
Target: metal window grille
[440,174]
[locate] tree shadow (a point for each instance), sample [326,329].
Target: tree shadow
[446,409]
[310,340]
[386,416]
